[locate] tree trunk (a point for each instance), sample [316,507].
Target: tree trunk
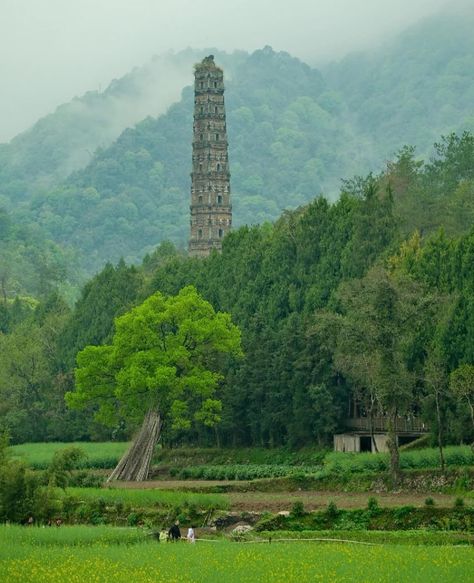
[218,439]
[440,433]
[471,408]
[135,463]
[393,449]
[371,426]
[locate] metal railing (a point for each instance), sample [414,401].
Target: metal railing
[402,424]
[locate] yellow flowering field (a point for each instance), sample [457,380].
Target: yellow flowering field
[31,558]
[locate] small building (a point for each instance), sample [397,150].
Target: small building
[358,438]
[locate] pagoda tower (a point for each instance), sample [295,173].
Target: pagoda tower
[211,209]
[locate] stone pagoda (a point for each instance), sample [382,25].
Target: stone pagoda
[211,209]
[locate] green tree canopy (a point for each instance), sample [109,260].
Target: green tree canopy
[165,355]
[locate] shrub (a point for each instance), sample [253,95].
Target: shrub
[373,505]
[133,519]
[429,501]
[297,510]
[63,462]
[85,479]
[332,510]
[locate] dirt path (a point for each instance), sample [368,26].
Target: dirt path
[182,485]
[258,501]
[280,501]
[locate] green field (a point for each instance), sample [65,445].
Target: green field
[225,464]
[99,455]
[152,497]
[35,555]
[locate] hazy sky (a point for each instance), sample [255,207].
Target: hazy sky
[52,50]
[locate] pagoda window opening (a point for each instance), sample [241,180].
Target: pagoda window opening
[217,137]
[221,233]
[219,199]
[200,234]
[200,198]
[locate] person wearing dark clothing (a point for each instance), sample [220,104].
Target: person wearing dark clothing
[174,533]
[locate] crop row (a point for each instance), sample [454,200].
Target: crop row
[150,497]
[240,472]
[416,459]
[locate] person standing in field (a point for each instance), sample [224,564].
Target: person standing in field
[190,536]
[163,536]
[174,533]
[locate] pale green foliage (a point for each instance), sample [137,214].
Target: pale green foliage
[462,385]
[462,382]
[166,354]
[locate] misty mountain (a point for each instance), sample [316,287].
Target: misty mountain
[64,141]
[413,89]
[136,192]
[294,132]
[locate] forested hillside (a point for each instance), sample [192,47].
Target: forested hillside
[414,89]
[294,132]
[41,157]
[31,265]
[373,260]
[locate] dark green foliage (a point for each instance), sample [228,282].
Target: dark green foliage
[332,510]
[297,510]
[64,461]
[373,505]
[385,519]
[20,491]
[31,263]
[109,294]
[272,278]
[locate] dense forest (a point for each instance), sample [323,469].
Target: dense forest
[294,132]
[381,276]
[364,293]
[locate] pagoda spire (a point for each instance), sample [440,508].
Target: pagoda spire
[211,209]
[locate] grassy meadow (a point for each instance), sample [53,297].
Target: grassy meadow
[99,455]
[138,498]
[31,555]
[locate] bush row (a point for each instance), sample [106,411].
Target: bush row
[459,518]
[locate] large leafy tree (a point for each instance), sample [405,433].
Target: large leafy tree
[462,385]
[163,365]
[377,345]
